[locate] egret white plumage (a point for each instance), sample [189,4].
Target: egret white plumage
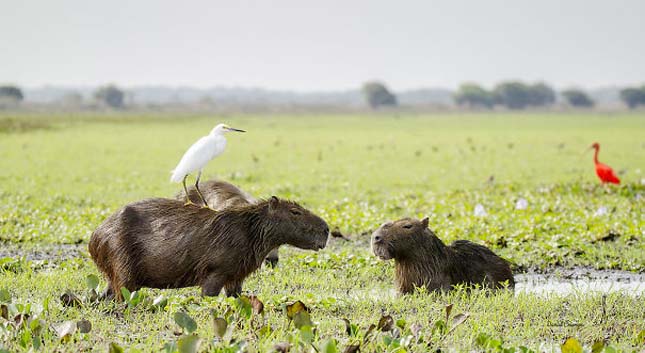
[199,154]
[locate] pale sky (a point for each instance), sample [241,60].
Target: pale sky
[321,45]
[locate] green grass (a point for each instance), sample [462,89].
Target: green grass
[62,175]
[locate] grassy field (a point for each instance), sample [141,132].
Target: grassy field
[62,175]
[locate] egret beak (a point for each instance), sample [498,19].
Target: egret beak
[233,129]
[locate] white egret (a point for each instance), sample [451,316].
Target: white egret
[199,154]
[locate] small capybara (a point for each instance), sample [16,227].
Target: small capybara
[423,260]
[220,195]
[161,243]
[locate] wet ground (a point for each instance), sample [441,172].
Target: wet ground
[559,281]
[580,280]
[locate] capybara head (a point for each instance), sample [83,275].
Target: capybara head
[297,225]
[394,240]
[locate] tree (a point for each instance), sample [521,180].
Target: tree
[577,98]
[377,95]
[541,94]
[11,94]
[512,94]
[473,95]
[518,95]
[633,96]
[111,96]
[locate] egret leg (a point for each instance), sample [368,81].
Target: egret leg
[188,201]
[199,192]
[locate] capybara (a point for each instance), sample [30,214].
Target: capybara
[161,243]
[220,195]
[423,260]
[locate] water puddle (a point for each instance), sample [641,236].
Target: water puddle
[580,281]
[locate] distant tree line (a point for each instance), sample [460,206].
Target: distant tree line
[517,95]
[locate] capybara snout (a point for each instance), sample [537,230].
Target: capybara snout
[304,229]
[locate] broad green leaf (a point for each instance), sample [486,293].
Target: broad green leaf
[92,281]
[188,344]
[571,345]
[185,321]
[220,325]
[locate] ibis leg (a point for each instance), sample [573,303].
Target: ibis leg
[199,192]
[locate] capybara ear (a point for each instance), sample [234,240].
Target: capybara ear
[425,222]
[273,202]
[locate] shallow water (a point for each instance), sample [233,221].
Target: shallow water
[570,281]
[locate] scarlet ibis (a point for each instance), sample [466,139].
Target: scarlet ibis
[604,172]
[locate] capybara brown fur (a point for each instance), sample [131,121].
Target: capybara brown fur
[161,243]
[423,260]
[221,195]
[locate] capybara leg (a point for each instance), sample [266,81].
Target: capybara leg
[272,258]
[212,285]
[233,289]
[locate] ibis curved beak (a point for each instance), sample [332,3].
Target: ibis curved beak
[234,129]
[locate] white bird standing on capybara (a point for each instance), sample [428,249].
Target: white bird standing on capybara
[423,260]
[199,154]
[221,195]
[160,243]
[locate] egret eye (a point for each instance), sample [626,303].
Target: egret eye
[296,212]
[407,226]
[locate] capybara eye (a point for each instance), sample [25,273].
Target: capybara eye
[296,212]
[407,226]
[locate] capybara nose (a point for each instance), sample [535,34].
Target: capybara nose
[377,238]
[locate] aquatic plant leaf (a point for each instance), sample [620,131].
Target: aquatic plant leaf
[4,311]
[65,330]
[350,329]
[84,326]
[92,281]
[328,346]
[70,299]
[448,311]
[188,343]
[598,346]
[220,325]
[115,348]
[306,333]
[257,305]
[302,319]
[244,306]
[459,319]
[401,323]
[295,308]
[185,321]
[385,323]
[571,345]
[5,296]
[352,348]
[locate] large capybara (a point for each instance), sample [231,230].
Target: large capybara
[423,260]
[221,195]
[161,243]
